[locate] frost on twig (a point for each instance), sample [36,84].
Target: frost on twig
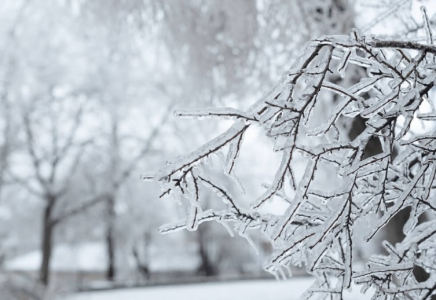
[318,227]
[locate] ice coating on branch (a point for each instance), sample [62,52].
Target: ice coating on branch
[233,152]
[384,84]
[427,27]
[147,176]
[278,180]
[230,113]
[342,65]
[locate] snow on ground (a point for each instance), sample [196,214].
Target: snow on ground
[91,257]
[85,257]
[245,290]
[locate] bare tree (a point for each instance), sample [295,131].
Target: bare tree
[53,163]
[120,170]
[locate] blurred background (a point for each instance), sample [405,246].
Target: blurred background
[87,94]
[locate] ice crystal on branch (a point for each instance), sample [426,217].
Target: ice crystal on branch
[318,226]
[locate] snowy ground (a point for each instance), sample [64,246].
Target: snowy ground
[246,290]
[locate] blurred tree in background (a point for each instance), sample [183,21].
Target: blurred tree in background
[87,90]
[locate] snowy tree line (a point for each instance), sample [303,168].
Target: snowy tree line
[86,91]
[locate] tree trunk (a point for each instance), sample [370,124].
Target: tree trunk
[46,245]
[142,267]
[207,267]
[110,238]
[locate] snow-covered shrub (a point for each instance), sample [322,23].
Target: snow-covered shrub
[318,227]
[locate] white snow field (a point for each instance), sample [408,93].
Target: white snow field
[242,290]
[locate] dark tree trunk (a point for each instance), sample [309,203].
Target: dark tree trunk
[142,267]
[207,267]
[110,238]
[143,259]
[47,244]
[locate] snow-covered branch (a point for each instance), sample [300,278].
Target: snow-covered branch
[318,227]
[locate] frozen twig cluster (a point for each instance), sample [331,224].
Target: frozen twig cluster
[318,227]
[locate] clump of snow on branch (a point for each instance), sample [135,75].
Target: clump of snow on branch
[318,227]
